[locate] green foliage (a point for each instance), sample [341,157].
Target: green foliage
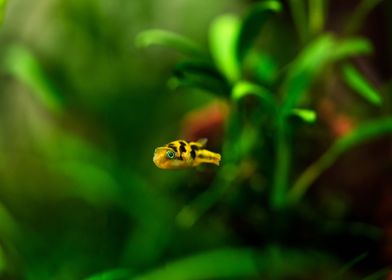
[9,227]
[252,23]
[3,262]
[351,47]
[199,74]
[304,70]
[170,39]
[10,231]
[317,15]
[357,19]
[96,185]
[226,263]
[340,274]
[381,274]
[360,85]
[24,66]
[361,134]
[240,263]
[243,88]
[224,33]
[298,12]
[117,274]
[231,38]
[313,59]
[3,5]
[308,116]
[79,195]
[264,67]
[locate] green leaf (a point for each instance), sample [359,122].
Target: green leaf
[348,266]
[224,33]
[244,264]
[361,134]
[310,63]
[306,115]
[199,74]
[9,228]
[3,4]
[357,17]
[301,74]
[226,263]
[24,66]
[360,85]
[253,22]
[266,68]
[3,260]
[298,12]
[95,184]
[378,275]
[116,274]
[261,67]
[9,232]
[317,11]
[304,70]
[242,89]
[171,40]
[350,47]
[278,195]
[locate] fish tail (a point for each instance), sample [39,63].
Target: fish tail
[205,156]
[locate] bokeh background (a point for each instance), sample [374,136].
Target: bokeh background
[83,108]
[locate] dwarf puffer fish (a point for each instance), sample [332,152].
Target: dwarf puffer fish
[181,154]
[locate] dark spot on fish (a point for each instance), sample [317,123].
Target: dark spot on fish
[182,147]
[172,146]
[194,147]
[193,154]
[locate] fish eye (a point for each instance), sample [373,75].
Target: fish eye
[170,154]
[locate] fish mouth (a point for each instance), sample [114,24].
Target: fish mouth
[159,156]
[155,159]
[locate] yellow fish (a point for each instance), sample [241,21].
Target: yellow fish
[182,154]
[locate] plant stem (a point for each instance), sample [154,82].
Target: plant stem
[191,213]
[282,165]
[310,175]
[359,15]
[316,16]
[361,134]
[298,11]
[348,266]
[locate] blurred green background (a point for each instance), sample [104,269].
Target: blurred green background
[296,95]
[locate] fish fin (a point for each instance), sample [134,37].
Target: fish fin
[217,159]
[202,142]
[205,156]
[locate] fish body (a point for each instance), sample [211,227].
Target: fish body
[182,154]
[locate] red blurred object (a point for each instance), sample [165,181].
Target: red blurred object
[206,122]
[339,123]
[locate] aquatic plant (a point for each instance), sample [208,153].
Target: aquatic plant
[268,94]
[83,110]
